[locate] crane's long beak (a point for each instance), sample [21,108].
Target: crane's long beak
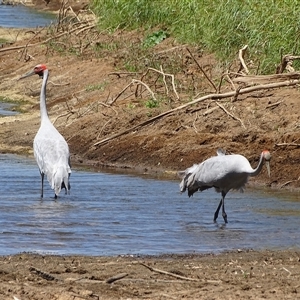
[27,74]
[268,167]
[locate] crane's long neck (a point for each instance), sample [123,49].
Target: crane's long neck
[259,166]
[43,108]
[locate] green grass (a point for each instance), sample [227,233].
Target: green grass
[96,87]
[3,41]
[269,27]
[152,103]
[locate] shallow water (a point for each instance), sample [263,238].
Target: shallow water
[20,16]
[113,214]
[5,109]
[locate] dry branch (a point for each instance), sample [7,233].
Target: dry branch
[179,276]
[287,144]
[42,274]
[288,182]
[274,104]
[242,52]
[168,273]
[229,114]
[204,73]
[210,96]
[63,115]
[119,74]
[226,75]
[164,75]
[116,277]
[125,88]
[209,111]
[264,79]
[164,80]
[139,82]
[286,63]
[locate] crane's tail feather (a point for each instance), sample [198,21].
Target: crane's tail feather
[60,180]
[67,189]
[188,181]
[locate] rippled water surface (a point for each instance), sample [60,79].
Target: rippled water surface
[20,16]
[111,214]
[5,109]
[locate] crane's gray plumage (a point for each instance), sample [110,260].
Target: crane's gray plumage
[51,151]
[222,172]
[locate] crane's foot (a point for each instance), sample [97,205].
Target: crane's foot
[225,217]
[55,196]
[216,216]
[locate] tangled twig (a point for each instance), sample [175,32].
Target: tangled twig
[229,114]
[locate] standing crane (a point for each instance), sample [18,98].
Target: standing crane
[51,150]
[223,172]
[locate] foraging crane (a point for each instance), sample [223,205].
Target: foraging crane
[51,151]
[223,172]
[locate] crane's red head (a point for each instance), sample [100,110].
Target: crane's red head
[266,155]
[39,70]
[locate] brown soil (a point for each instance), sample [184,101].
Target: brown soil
[81,94]
[234,275]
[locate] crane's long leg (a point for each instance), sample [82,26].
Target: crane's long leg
[217,211]
[222,203]
[42,187]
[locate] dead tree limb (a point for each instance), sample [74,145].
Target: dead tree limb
[119,74]
[209,111]
[242,52]
[180,276]
[164,80]
[116,277]
[267,79]
[287,145]
[274,104]
[207,97]
[146,86]
[204,73]
[125,88]
[288,182]
[42,274]
[168,273]
[229,114]
[164,75]
[237,92]
[286,63]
